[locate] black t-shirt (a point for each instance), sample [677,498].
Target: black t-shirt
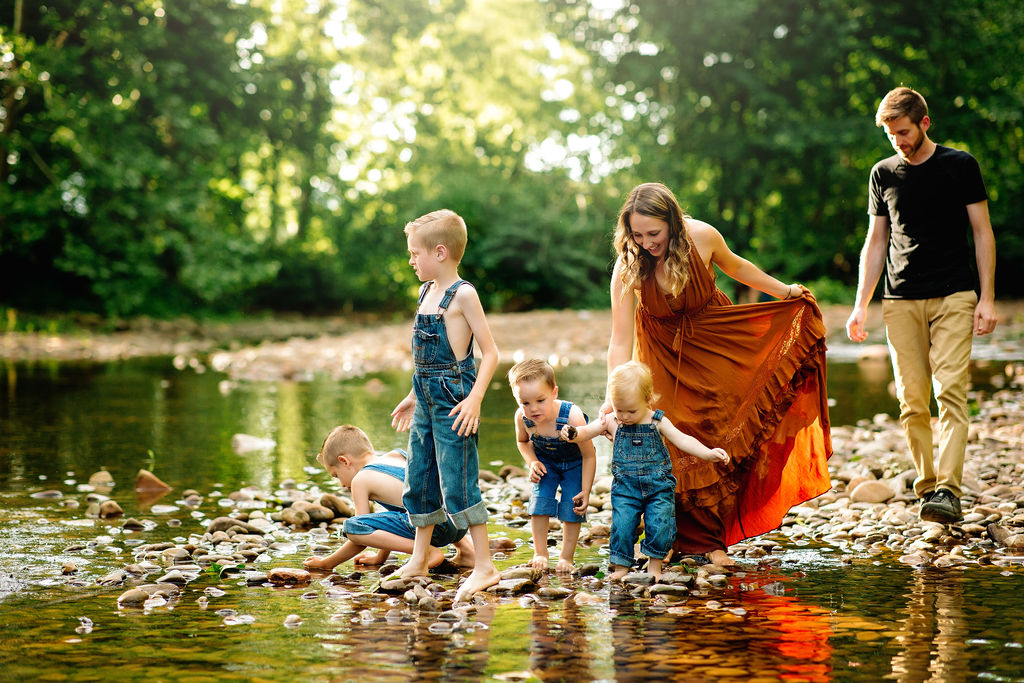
[929,254]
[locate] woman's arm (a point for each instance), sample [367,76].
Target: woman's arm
[620,345]
[709,241]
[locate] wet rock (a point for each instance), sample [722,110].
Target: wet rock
[502,545]
[49,495]
[247,443]
[638,578]
[998,533]
[109,509]
[176,577]
[114,578]
[101,479]
[319,513]
[669,589]
[292,621]
[287,576]
[177,555]
[554,592]
[522,572]
[134,597]
[132,524]
[588,569]
[147,481]
[295,517]
[872,492]
[600,531]
[69,568]
[226,523]
[340,506]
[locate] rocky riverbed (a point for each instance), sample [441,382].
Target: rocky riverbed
[869,515]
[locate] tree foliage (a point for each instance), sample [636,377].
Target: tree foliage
[165,158]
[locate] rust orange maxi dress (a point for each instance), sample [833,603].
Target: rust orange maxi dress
[749,378]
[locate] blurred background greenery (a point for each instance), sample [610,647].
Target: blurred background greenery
[217,156]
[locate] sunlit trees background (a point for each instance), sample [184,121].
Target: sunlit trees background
[222,155]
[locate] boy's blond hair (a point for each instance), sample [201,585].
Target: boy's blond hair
[443,227]
[345,440]
[632,378]
[531,369]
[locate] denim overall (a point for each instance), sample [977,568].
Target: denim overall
[394,519]
[564,464]
[443,468]
[642,483]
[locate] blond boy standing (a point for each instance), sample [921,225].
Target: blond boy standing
[443,408]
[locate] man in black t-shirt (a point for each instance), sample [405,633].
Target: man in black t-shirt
[922,201]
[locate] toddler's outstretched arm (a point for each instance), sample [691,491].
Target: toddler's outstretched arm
[689,444]
[589,431]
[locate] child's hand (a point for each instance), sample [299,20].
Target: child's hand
[369,558]
[316,562]
[568,433]
[468,420]
[717,455]
[537,470]
[401,416]
[580,502]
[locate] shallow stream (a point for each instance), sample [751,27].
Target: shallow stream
[810,614]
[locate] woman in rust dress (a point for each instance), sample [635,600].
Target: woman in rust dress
[748,378]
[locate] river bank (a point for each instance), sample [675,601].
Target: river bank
[342,347]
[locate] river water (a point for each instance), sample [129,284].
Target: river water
[808,615]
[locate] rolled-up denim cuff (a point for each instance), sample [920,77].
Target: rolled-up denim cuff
[621,560]
[471,516]
[429,518]
[653,552]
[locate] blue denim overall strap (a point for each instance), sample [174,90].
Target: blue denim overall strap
[552,446]
[431,349]
[392,471]
[564,464]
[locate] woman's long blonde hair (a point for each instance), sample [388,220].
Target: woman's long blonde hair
[657,201]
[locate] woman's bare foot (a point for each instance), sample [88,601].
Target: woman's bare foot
[564,566]
[720,558]
[539,562]
[478,580]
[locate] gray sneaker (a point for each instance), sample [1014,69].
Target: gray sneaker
[942,507]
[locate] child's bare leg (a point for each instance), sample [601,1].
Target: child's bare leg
[419,563]
[618,571]
[465,554]
[484,574]
[654,568]
[539,529]
[720,558]
[570,535]
[384,540]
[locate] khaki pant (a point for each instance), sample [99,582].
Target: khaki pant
[930,345]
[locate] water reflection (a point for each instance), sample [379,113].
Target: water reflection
[751,635]
[933,636]
[560,648]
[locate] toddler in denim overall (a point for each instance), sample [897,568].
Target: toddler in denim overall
[642,479]
[443,468]
[564,464]
[642,484]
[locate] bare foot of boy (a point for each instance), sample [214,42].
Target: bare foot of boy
[435,556]
[539,562]
[564,566]
[720,558]
[463,558]
[413,569]
[618,573]
[477,581]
